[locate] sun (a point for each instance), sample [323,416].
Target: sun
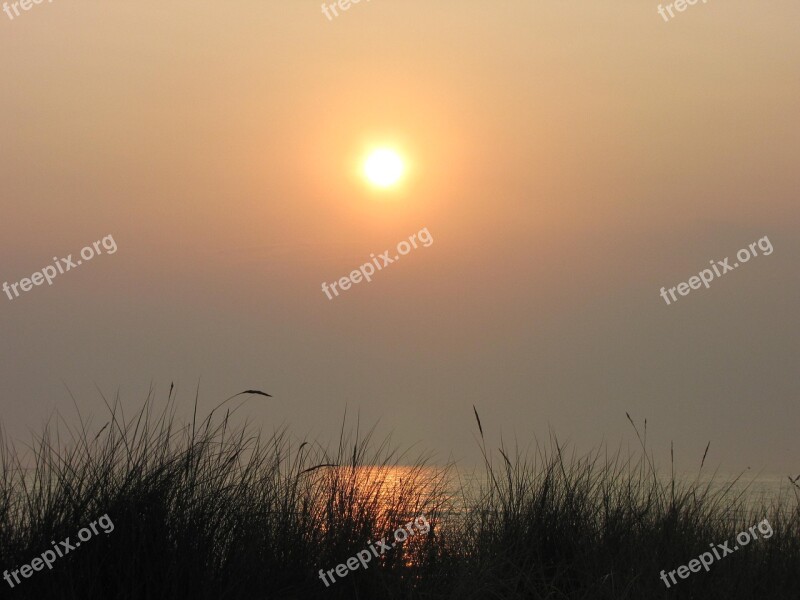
[384,167]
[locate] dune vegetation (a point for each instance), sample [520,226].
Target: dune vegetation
[206,510]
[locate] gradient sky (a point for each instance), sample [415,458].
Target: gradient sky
[568,158]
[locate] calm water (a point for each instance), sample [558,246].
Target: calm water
[756,493]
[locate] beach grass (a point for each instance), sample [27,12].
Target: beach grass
[209,510]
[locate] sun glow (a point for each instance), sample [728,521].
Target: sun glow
[383,167]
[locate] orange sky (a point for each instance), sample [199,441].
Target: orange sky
[569,160]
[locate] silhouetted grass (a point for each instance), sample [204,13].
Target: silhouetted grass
[211,511]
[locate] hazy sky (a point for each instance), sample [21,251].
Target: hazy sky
[568,159]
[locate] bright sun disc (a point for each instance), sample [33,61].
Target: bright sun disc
[383,167]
